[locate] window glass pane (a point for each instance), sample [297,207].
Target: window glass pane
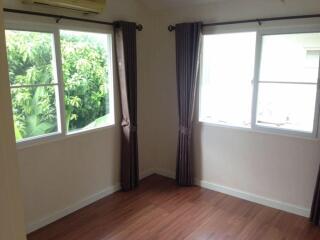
[290,58]
[226,82]
[30,57]
[31,63]
[87,78]
[286,106]
[34,110]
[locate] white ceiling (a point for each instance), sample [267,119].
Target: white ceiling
[166,4]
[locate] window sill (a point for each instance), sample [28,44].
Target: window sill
[262,130]
[88,131]
[55,137]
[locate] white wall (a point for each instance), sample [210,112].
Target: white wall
[60,176]
[11,217]
[277,168]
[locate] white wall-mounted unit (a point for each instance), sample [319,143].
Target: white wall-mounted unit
[95,6]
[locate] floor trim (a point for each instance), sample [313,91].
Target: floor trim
[147,173]
[72,208]
[78,205]
[165,173]
[287,207]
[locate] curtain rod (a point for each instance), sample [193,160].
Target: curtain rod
[259,21]
[139,27]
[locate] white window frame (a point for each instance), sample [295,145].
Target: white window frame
[203,120]
[55,29]
[258,128]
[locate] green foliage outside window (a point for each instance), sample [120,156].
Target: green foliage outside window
[84,74]
[31,62]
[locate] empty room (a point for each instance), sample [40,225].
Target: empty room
[159,119]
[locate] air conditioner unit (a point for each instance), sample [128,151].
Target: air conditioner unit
[95,6]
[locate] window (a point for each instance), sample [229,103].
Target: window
[86,68]
[288,81]
[33,82]
[227,75]
[284,96]
[61,82]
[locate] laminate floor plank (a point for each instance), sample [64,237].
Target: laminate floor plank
[161,210]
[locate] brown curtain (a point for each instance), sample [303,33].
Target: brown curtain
[187,63]
[125,39]
[315,209]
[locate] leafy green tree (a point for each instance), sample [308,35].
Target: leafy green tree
[36,115]
[30,63]
[84,74]
[30,58]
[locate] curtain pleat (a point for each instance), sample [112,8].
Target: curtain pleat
[126,52]
[315,209]
[187,61]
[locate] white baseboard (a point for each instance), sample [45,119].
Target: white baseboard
[287,207]
[72,208]
[147,173]
[165,173]
[78,205]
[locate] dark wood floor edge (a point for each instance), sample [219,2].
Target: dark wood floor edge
[72,209]
[255,198]
[251,197]
[68,211]
[160,209]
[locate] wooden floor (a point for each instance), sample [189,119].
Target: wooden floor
[159,209]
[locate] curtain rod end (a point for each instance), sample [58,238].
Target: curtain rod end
[171,28]
[139,27]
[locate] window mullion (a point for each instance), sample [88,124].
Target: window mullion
[256,80]
[60,80]
[34,85]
